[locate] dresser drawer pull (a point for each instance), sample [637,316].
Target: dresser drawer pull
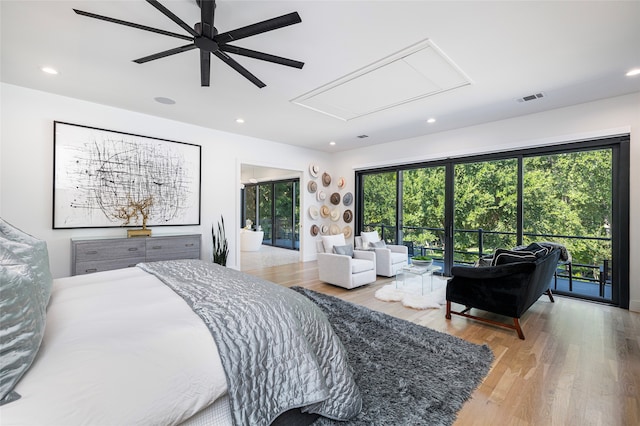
[189,245]
[92,252]
[88,271]
[156,247]
[133,248]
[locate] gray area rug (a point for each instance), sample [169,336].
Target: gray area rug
[407,374]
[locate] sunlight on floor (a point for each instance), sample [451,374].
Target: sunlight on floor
[267,256]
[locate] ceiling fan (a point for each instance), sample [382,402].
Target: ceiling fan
[205,36]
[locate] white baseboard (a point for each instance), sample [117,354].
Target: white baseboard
[634,305]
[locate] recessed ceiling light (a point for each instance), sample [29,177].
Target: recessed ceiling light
[332,143]
[633,72]
[239,120]
[49,70]
[165,101]
[431,120]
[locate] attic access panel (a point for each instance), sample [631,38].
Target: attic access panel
[414,73]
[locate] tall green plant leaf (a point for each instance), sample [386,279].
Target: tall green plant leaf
[220,245]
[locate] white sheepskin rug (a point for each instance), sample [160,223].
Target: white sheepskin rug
[410,292]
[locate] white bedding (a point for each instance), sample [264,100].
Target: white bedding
[120,348]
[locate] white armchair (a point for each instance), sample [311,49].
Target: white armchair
[390,259]
[341,269]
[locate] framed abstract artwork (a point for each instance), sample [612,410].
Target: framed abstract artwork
[98,174]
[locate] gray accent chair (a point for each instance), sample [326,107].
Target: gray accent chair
[346,271]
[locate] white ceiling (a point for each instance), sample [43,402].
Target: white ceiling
[573,51]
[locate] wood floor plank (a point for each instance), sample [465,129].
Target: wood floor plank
[579,364]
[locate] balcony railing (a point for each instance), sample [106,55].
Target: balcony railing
[599,274]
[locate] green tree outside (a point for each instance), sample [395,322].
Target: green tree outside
[566,194]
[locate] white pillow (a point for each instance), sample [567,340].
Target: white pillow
[368,238]
[328,241]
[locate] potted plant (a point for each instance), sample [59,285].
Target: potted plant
[220,245]
[422,260]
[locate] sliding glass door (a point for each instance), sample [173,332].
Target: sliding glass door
[274,207]
[485,208]
[423,205]
[249,205]
[265,211]
[380,204]
[568,198]
[285,219]
[459,210]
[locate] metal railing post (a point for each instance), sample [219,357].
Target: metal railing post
[480,243]
[604,276]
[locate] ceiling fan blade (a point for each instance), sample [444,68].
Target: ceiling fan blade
[131,24]
[236,66]
[260,55]
[205,68]
[258,28]
[165,53]
[207,10]
[174,18]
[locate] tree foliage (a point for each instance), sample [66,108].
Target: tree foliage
[564,196]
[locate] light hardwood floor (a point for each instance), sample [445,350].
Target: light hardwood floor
[579,364]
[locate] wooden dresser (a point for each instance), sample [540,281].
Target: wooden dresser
[102,254]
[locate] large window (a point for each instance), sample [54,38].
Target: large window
[380,204]
[459,210]
[274,207]
[569,196]
[486,205]
[286,214]
[423,202]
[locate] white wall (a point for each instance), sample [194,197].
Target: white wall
[26,168]
[26,161]
[605,117]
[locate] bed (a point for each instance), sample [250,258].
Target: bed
[164,343]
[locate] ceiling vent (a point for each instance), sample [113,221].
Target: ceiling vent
[531,97]
[362,136]
[414,73]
